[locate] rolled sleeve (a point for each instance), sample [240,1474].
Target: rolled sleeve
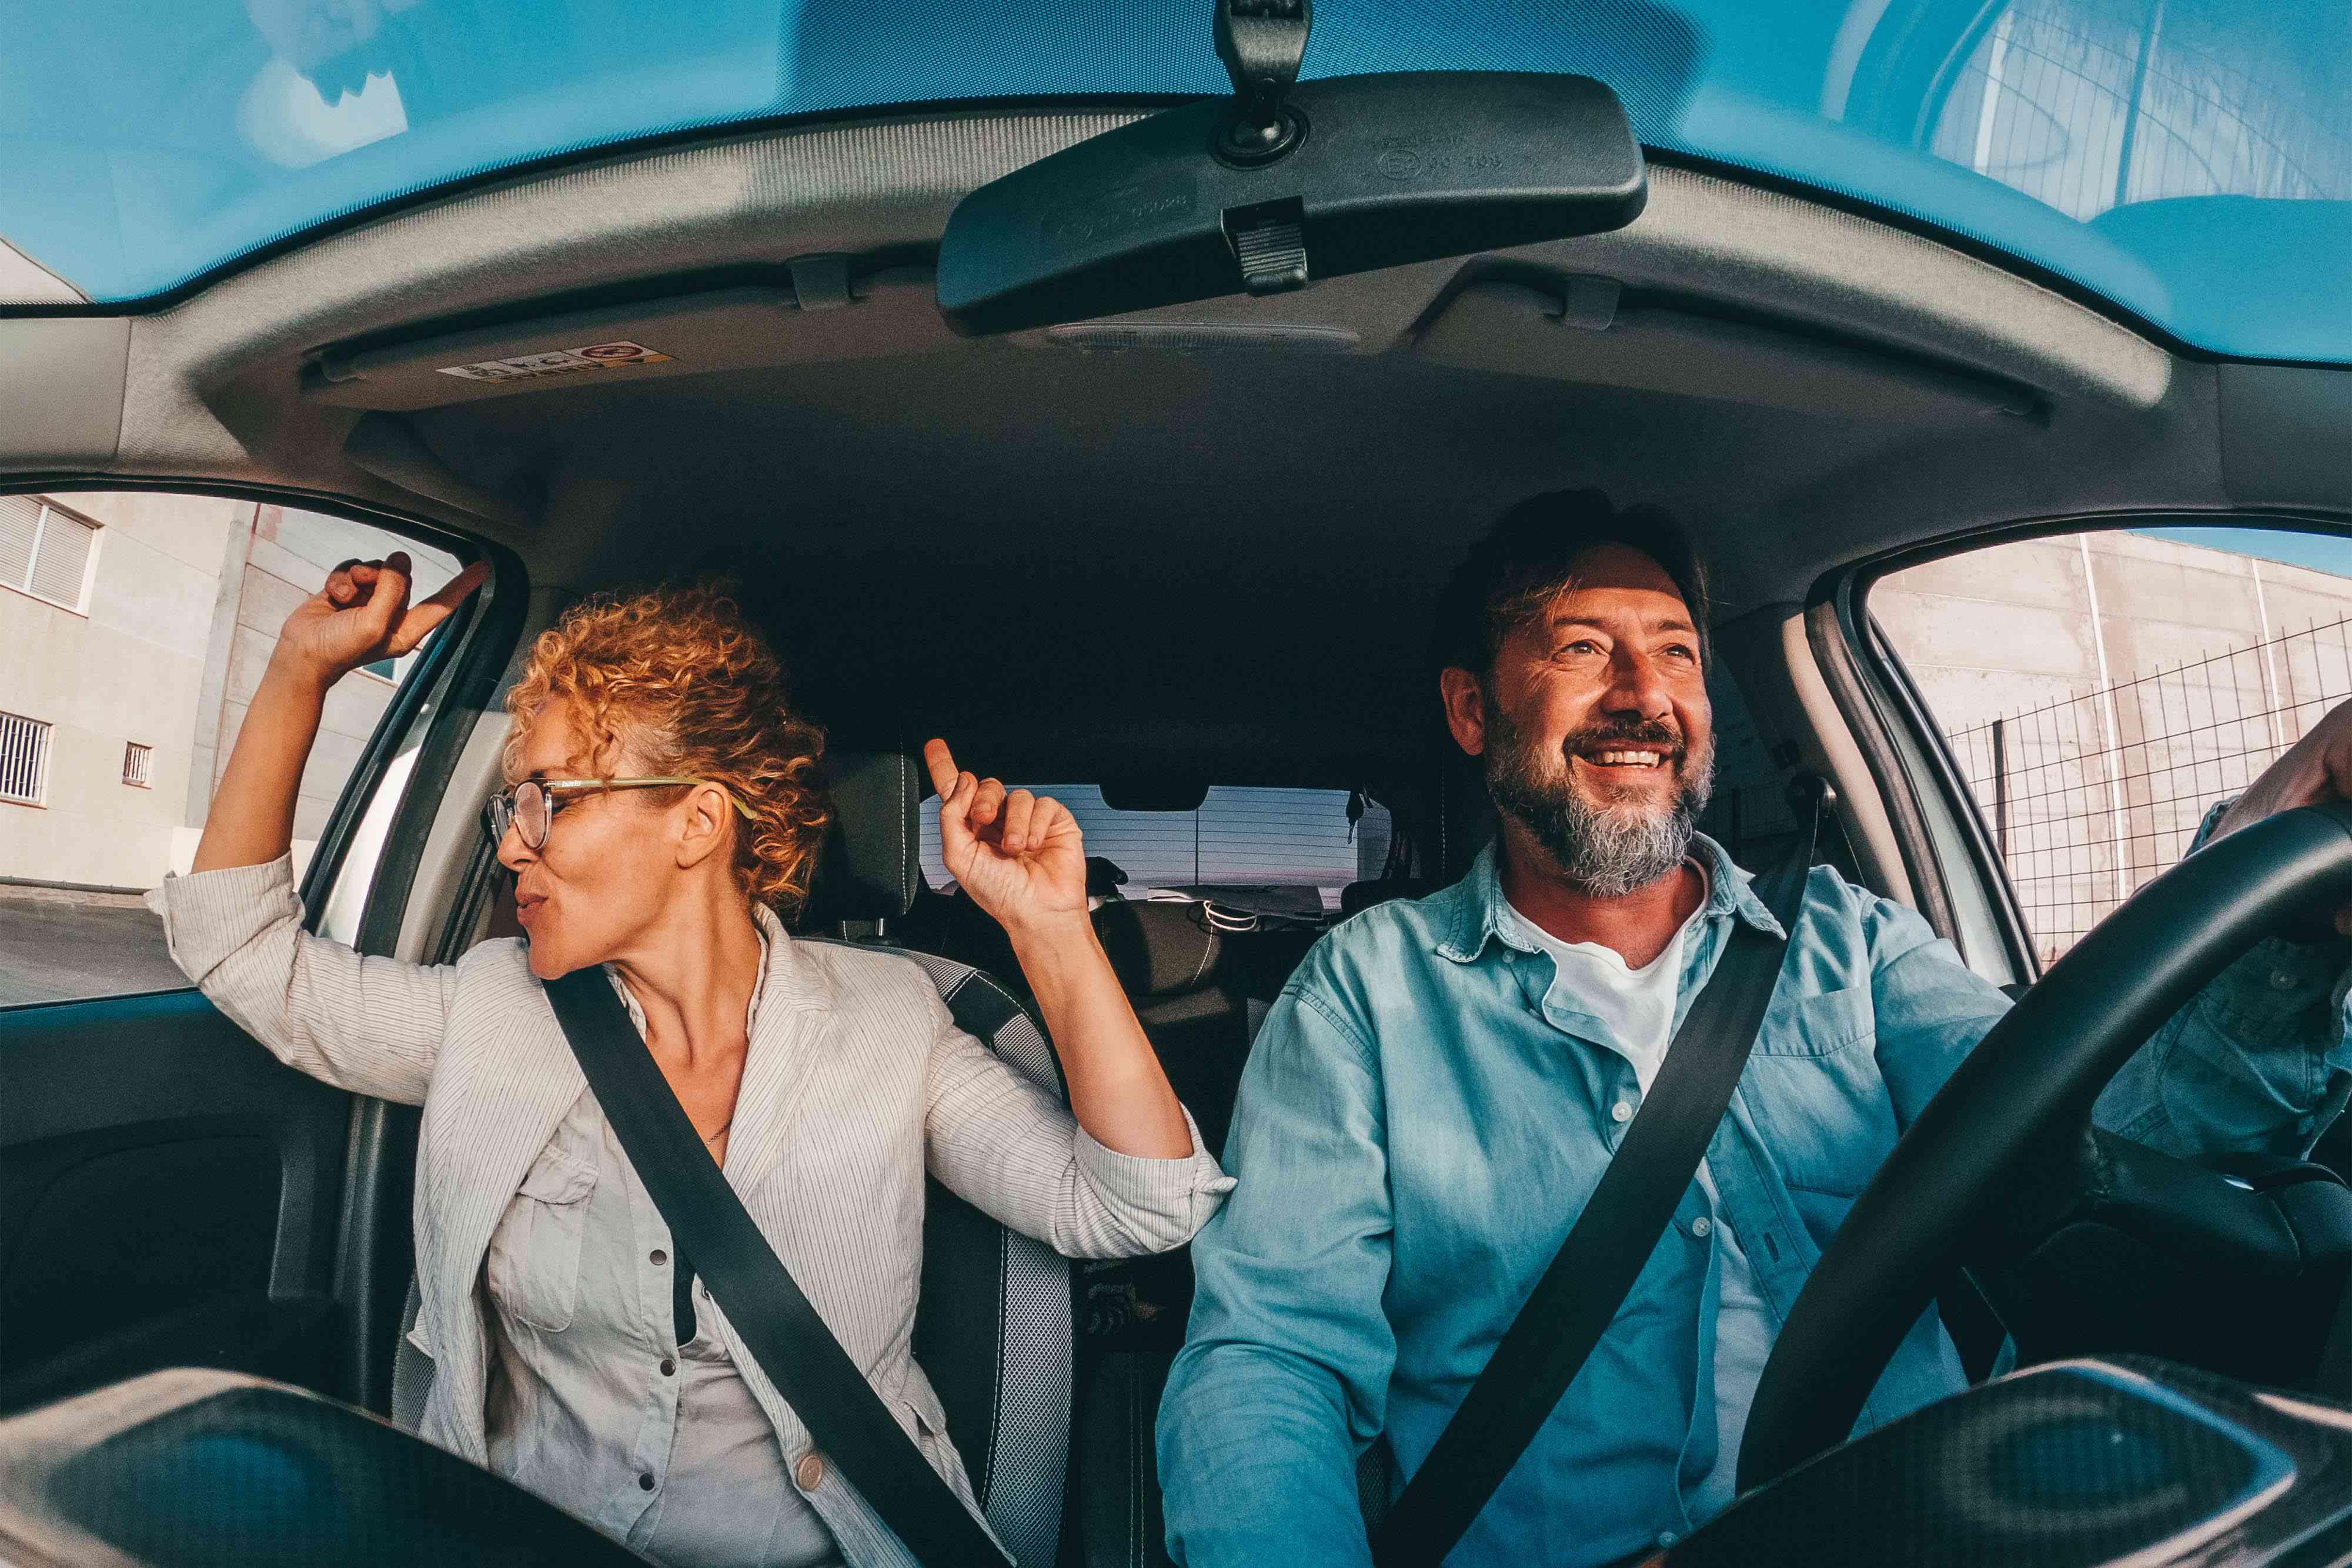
[209,914]
[1171,1198]
[1009,1148]
[370,1025]
[2256,1063]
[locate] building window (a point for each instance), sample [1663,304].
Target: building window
[45,550]
[135,761]
[24,760]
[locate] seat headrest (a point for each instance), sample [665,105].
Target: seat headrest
[1158,949]
[870,867]
[1359,896]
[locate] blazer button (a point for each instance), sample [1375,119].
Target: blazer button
[659,1258]
[670,1367]
[809,1472]
[644,1483]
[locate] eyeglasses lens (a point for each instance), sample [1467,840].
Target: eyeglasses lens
[532,814]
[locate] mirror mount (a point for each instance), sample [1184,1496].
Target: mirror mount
[1262,43]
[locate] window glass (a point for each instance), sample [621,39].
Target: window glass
[2100,692]
[137,627]
[1296,844]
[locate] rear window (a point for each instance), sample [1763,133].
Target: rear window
[1298,843]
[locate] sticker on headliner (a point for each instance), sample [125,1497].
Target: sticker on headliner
[558,362]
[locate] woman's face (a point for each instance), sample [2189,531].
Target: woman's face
[610,862]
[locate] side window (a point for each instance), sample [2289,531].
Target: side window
[2099,692]
[137,625]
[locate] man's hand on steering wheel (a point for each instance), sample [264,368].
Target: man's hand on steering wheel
[2315,771]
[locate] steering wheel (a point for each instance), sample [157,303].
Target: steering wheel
[2019,1107]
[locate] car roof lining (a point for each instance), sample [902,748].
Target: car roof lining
[906,508]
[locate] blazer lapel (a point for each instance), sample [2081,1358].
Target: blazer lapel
[787,1035]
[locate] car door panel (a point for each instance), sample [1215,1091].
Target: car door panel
[170,1196]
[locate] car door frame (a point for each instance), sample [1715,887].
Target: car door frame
[340,1256]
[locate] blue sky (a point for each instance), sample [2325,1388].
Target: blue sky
[2321,553]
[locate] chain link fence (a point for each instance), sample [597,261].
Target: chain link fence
[2092,796]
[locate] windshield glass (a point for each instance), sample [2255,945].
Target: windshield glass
[2188,159]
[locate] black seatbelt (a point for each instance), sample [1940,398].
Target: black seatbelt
[1577,1297]
[708,1224]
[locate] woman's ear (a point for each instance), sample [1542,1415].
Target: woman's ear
[704,827]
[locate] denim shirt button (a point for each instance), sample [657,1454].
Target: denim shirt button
[1667,1538]
[1701,1227]
[2281,980]
[1622,1111]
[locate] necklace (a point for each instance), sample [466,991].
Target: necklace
[714,1137]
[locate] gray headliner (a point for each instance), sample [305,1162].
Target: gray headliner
[1248,541]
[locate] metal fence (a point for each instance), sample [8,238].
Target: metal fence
[2090,795]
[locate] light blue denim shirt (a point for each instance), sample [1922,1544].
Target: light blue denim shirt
[1418,1124]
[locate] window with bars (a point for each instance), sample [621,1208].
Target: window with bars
[2101,693]
[24,760]
[137,764]
[46,551]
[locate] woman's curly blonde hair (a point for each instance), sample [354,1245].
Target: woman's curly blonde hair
[679,676]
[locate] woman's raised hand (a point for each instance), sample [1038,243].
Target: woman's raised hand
[362,615]
[1018,856]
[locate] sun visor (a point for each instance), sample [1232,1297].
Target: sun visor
[825,314]
[1582,329]
[70,371]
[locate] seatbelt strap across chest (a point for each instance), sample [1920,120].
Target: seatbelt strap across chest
[708,1224]
[1588,1280]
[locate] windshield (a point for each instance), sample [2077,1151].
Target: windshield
[2190,160]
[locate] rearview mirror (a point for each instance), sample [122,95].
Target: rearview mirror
[1367,172]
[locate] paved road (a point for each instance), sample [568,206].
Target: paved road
[56,946]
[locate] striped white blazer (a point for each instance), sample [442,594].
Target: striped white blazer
[855,1081]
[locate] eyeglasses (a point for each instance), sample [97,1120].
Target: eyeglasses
[530,806]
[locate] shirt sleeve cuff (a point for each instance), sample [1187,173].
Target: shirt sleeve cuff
[2213,819]
[1186,1189]
[209,914]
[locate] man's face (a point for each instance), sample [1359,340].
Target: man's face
[1595,725]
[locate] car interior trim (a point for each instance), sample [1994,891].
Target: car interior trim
[1866,721]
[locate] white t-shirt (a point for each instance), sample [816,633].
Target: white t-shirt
[1636,1011]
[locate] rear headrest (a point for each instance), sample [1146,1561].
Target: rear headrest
[1158,949]
[870,868]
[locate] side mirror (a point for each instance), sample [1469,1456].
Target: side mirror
[1283,185]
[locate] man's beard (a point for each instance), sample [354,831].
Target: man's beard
[1606,851]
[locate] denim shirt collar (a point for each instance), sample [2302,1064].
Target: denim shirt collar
[1476,914]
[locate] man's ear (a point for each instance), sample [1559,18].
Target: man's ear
[1465,710]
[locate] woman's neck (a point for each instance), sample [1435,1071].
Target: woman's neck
[692,971]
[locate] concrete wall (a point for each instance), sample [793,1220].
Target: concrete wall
[2135,681]
[186,597]
[131,669]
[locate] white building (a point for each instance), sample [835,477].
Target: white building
[133,629]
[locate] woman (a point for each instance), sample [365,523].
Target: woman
[661,808]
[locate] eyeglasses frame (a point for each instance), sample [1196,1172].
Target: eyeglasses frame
[561,792]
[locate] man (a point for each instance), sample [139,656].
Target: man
[1436,1092]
